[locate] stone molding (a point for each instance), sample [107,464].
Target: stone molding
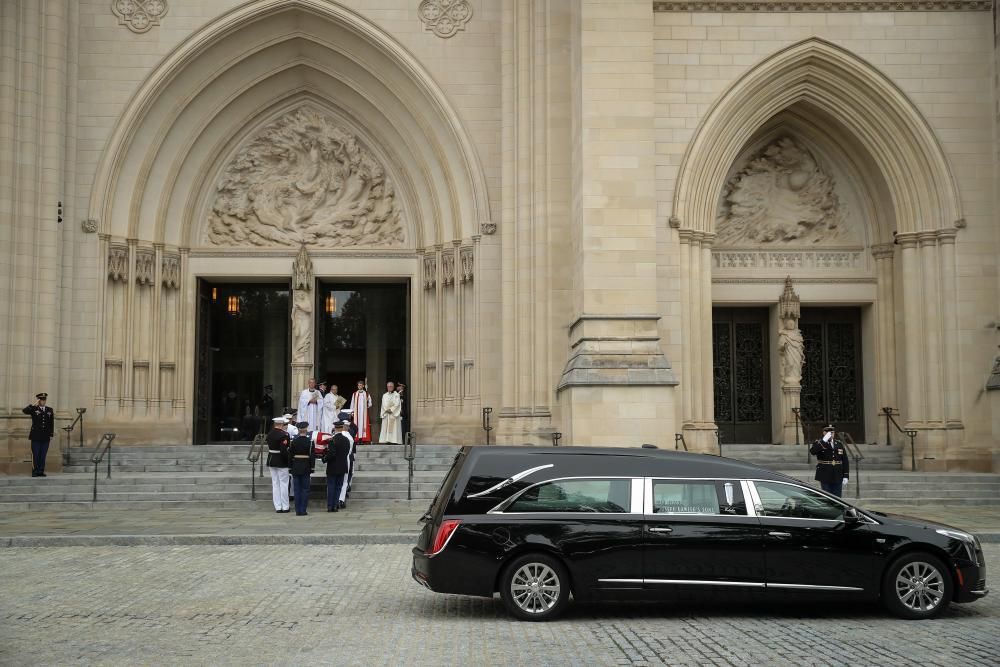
[798,281]
[826,259]
[278,252]
[822,6]
[139,15]
[444,18]
[883,250]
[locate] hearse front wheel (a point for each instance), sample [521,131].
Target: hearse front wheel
[917,586]
[535,587]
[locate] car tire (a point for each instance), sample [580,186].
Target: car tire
[917,586]
[535,587]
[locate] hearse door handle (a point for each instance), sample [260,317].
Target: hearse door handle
[661,530]
[776,533]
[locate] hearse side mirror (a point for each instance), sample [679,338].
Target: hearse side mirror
[851,515]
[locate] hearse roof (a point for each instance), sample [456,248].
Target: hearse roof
[613,461]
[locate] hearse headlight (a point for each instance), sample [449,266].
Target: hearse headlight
[968,539]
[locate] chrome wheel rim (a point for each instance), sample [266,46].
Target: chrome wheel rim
[535,588]
[920,586]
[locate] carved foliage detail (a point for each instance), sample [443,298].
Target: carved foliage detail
[139,15]
[305,180]
[448,269]
[445,17]
[468,267]
[430,272]
[171,271]
[781,196]
[118,263]
[145,271]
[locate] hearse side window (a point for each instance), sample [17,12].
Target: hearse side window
[675,496]
[576,495]
[785,500]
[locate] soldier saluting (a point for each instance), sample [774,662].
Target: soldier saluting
[42,427]
[832,465]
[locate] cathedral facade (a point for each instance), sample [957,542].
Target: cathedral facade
[614,221]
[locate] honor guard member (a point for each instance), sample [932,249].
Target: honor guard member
[301,451]
[832,465]
[277,462]
[337,466]
[42,428]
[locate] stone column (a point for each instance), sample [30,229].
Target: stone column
[698,387]
[791,353]
[303,324]
[914,376]
[885,333]
[617,386]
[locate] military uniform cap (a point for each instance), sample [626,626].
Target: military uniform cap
[42,396]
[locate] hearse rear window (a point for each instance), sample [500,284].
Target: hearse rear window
[698,497]
[576,495]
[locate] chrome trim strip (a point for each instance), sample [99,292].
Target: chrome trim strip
[698,582]
[619,581]
[816,587]
[982,591]
[510,480]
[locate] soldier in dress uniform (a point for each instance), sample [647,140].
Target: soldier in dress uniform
[833,468]
[301,451]
[337,466]
[277,462]
[42,427]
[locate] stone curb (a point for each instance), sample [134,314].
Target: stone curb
[23,541]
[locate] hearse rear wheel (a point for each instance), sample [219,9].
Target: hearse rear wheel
[917,586]
[535,587]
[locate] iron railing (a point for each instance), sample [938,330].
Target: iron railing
[102,448]
[890,415]
[718,440]
[487,426]
[855,453]
[679,439]
[410,454]
[254,456]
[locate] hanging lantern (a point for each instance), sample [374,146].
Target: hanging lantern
[215,294]
[331,304]
[233,305]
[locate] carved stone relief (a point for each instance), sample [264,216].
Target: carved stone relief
[448,269]
[302,307]
[468,268]
[145,273]
[445,17]
[430,272]
[118,263]
[781,196]
[797,259]
[139,15]
[171,271]
[488,228]
[89,226]
[304,179]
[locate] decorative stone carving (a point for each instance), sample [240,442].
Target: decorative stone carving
[171,270]
[305,179]
[139,15]
[89,226]
[488,228]
[145,271]
[468,266]
[302,307]
[821,5]
[448,269]
[118,263]
[781,196]
[445,17]
[788,259]
[993,382]
[791,347]
[674,222]
[430,272]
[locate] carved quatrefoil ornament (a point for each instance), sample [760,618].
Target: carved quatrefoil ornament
[445,17]
[139,15]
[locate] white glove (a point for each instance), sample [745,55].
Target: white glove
[845,481]
[828,437]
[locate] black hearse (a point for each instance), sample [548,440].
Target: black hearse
[537,524]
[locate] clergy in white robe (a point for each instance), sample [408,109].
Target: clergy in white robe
[361,402]
[329,414]
[391,411]
[310,401]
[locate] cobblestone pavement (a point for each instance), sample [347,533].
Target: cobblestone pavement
[356,605]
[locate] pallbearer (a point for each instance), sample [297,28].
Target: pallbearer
[337,467]
[361,402]
[301,451]
[277,462]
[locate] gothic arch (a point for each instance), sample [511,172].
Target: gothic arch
[264,53]
[814,72]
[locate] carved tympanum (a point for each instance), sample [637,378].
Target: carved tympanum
[305,180]
[781,196]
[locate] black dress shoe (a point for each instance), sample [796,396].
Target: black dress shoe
[343,505]
[329,509]
[335,509]
[42,474]
[35,474]
[300,514]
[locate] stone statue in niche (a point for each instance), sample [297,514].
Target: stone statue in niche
[781,196]
[304,179]
[302,307]
[791,347]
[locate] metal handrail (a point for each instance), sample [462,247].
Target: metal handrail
[679,437]
[69,429]
[253,456]
[718,440]
[855,453]
[103,447]
[410,454]
[795,411]
[487,426]
[890,418]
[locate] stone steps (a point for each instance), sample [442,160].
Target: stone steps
[793,457]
